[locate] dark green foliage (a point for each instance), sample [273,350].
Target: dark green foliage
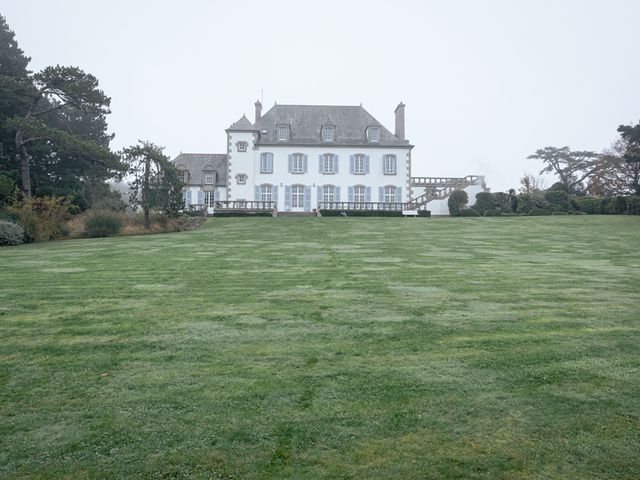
[537,211]
[633,205]
[424,213]
[485,201]
[239,214]
[10,233]
[503,201]
[493,213]
[558,200]
[571,167]
[469,212]
[590,204]
[457,201]
[102,224]
[361,213]
[558,187]
[617,205]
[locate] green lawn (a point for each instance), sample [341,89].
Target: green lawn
[326,348]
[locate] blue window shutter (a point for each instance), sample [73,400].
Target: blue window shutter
[270,162]
[320,158]
[399,194]
[319,191]
[189,202]
[216,195]
[381,194]
[367,194]
[307,197]
[200,197]
[305,163]
[290,163]
[337,195]
[335,163]
[257,189]
[366,164]
[287,197]
[351,164]
[274,194]
[350,194]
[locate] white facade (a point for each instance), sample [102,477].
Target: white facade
[246,175]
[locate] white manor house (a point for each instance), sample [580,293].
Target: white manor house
[300,159]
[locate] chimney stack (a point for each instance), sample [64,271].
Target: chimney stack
[399,111]
[258,110]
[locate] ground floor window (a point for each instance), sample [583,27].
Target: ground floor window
[266,193]
[297,196]
[359,193]
[389,194]
[209,199]
[328,194]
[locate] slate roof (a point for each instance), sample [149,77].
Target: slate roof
[306,121]
[242,125]
[196,164]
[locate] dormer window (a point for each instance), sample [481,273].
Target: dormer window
[183,176]
[373,134]
[242,146]
[209,178]
[328,134]
[283,133]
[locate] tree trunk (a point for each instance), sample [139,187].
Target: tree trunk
[145,194]
[24,164]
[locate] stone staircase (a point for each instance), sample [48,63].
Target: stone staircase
[439,188]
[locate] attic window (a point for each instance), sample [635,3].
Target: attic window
[373,134]
[242,146]
[183,176]
[283,133]
[328,133]
[209,178]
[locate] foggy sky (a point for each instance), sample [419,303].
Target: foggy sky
[486,83]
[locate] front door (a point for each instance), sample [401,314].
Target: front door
[297,198]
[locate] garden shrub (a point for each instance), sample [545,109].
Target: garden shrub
[42,218]
[590,204]
[102,224]
[537,211]
[457,201]
[558,200]
[485,201]
[492,213]
[469,212]
[559,213]
[10,233]
[617,205]
[424,213]
[528,201]
[633,205]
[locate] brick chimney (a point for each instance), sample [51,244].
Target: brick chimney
[258,110]
[399,111]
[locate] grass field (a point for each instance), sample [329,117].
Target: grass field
[326,348]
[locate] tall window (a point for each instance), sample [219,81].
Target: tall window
[389,164]
[209,178]
[266,162]
[359,193]
[327,163]
[373,134]
[328,134]
[283,133]
[298,163]
[358,164]
[297,196]
[209,199]
[389,194]
[266,193]
[328,193]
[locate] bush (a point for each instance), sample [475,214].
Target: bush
[42,218]
[10,233]
[457,201]
[590,204]
[492,213]
[633,205]
[558,200]
[617,205]
[537,211]
[469,212]
[424,213]
[527,201]
[485,201]
[102,224]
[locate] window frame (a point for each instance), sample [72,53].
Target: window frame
[264,156]
[297,196]
[362,159]
[363,194]
[266,192]
[286,130]
[327,129]
[370,131]
[328,160]
[241,178]
[328,193]
[390,160]
[206,179]
[241,146]
[390,193]
[297,159]
[209,199]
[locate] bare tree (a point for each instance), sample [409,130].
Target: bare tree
[530,183]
